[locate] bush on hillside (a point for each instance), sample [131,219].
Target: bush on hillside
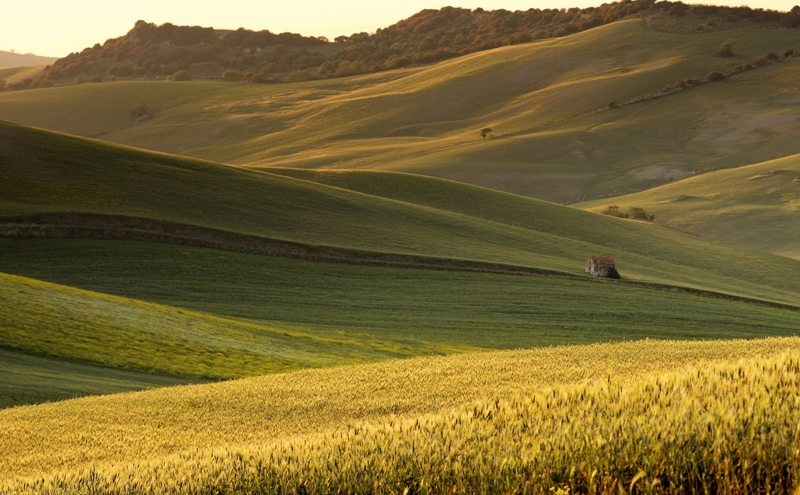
[726,49]
[714,76]
[232,75]
[182,75]
[634,212]
[141,112]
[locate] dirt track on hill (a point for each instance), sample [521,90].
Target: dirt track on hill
[113,227]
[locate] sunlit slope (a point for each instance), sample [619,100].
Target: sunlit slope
[756,206]
[548,103]
[177,438]
[76,325]
[46,173]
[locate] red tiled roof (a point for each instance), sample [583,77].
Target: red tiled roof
[603,260]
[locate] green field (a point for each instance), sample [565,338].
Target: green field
[755,206]
[203,313]
[30,379]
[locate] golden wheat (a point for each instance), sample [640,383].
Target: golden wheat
[655,416]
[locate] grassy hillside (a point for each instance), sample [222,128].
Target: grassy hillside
[14,75]
[548,103]
[47,173]
[18,60]
[30,379]
[597,416]
[755,206]
[345,310]
[72,324]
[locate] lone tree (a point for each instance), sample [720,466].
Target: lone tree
[726,48]
[182,75]
[487,132]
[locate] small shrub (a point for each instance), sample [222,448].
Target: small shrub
[142,112]
[634,212]
[614,211]
[639,214]
[788,53]
[182,75]
[773,56]
[714,76]
[677,85]
[82,79]
[612,105]
[232,74]
[760,62]
[725,49]
[487,133]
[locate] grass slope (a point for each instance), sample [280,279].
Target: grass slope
[697,413]
[382,312]
[755,206]
[116,332]
[32,379]
[547,101]
[45,172]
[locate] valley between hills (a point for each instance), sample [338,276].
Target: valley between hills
[374,283]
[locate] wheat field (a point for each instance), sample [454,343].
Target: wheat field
[646,416]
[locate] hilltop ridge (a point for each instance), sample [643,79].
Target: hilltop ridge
[152,51]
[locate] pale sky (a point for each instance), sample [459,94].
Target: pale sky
[59,27]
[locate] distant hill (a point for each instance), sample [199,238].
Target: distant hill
[11,59]
[152,51]
[556,136]
[756,206]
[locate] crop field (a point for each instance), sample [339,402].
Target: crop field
[703,416]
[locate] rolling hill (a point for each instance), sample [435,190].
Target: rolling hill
[55,180]
[359,269]
[555,136]
[16,60]
[153,51]
[121,248]
[754,206]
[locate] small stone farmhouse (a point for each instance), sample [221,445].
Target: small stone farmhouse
[601,266]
